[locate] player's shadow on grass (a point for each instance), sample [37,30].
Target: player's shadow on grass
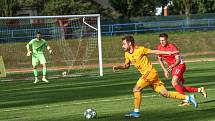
[103,117]
[207,110]
[209,101]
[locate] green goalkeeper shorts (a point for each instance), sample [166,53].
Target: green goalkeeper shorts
[38,59]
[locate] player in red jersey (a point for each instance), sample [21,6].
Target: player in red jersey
[176,67]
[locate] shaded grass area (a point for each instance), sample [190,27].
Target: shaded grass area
[66,98]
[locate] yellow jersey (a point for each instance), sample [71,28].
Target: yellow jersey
[140,59]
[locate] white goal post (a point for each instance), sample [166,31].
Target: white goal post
[75,39]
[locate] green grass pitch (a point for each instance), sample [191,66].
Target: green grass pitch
[66,99]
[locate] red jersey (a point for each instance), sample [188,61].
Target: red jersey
[170,59]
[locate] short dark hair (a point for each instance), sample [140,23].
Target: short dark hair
[129,38]
[38,32]
[163,35]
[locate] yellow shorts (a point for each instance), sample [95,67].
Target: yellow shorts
[151,79]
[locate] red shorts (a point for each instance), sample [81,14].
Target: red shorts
[179,71]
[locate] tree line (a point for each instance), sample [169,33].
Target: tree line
[120,8]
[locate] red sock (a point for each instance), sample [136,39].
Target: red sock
[190,89]
[179,89]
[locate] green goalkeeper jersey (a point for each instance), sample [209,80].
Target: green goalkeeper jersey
[38,46]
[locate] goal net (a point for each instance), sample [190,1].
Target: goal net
[74,39]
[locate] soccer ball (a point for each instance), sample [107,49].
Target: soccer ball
[90,113]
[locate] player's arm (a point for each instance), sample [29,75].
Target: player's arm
[123,66]
[47,46]
[177,58]
[157,52]
[161,62]
[28,49]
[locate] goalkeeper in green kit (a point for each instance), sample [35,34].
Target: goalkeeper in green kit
[38,45]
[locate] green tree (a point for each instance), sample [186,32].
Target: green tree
[135,8]
[205,6]
[72,7]
[8,7]
[33,4]
[188,7]
[201,6]
[183,6]
[211,6]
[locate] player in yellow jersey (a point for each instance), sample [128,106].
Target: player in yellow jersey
[137,55]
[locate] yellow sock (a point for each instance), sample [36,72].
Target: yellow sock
[137,100]
[176,95]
